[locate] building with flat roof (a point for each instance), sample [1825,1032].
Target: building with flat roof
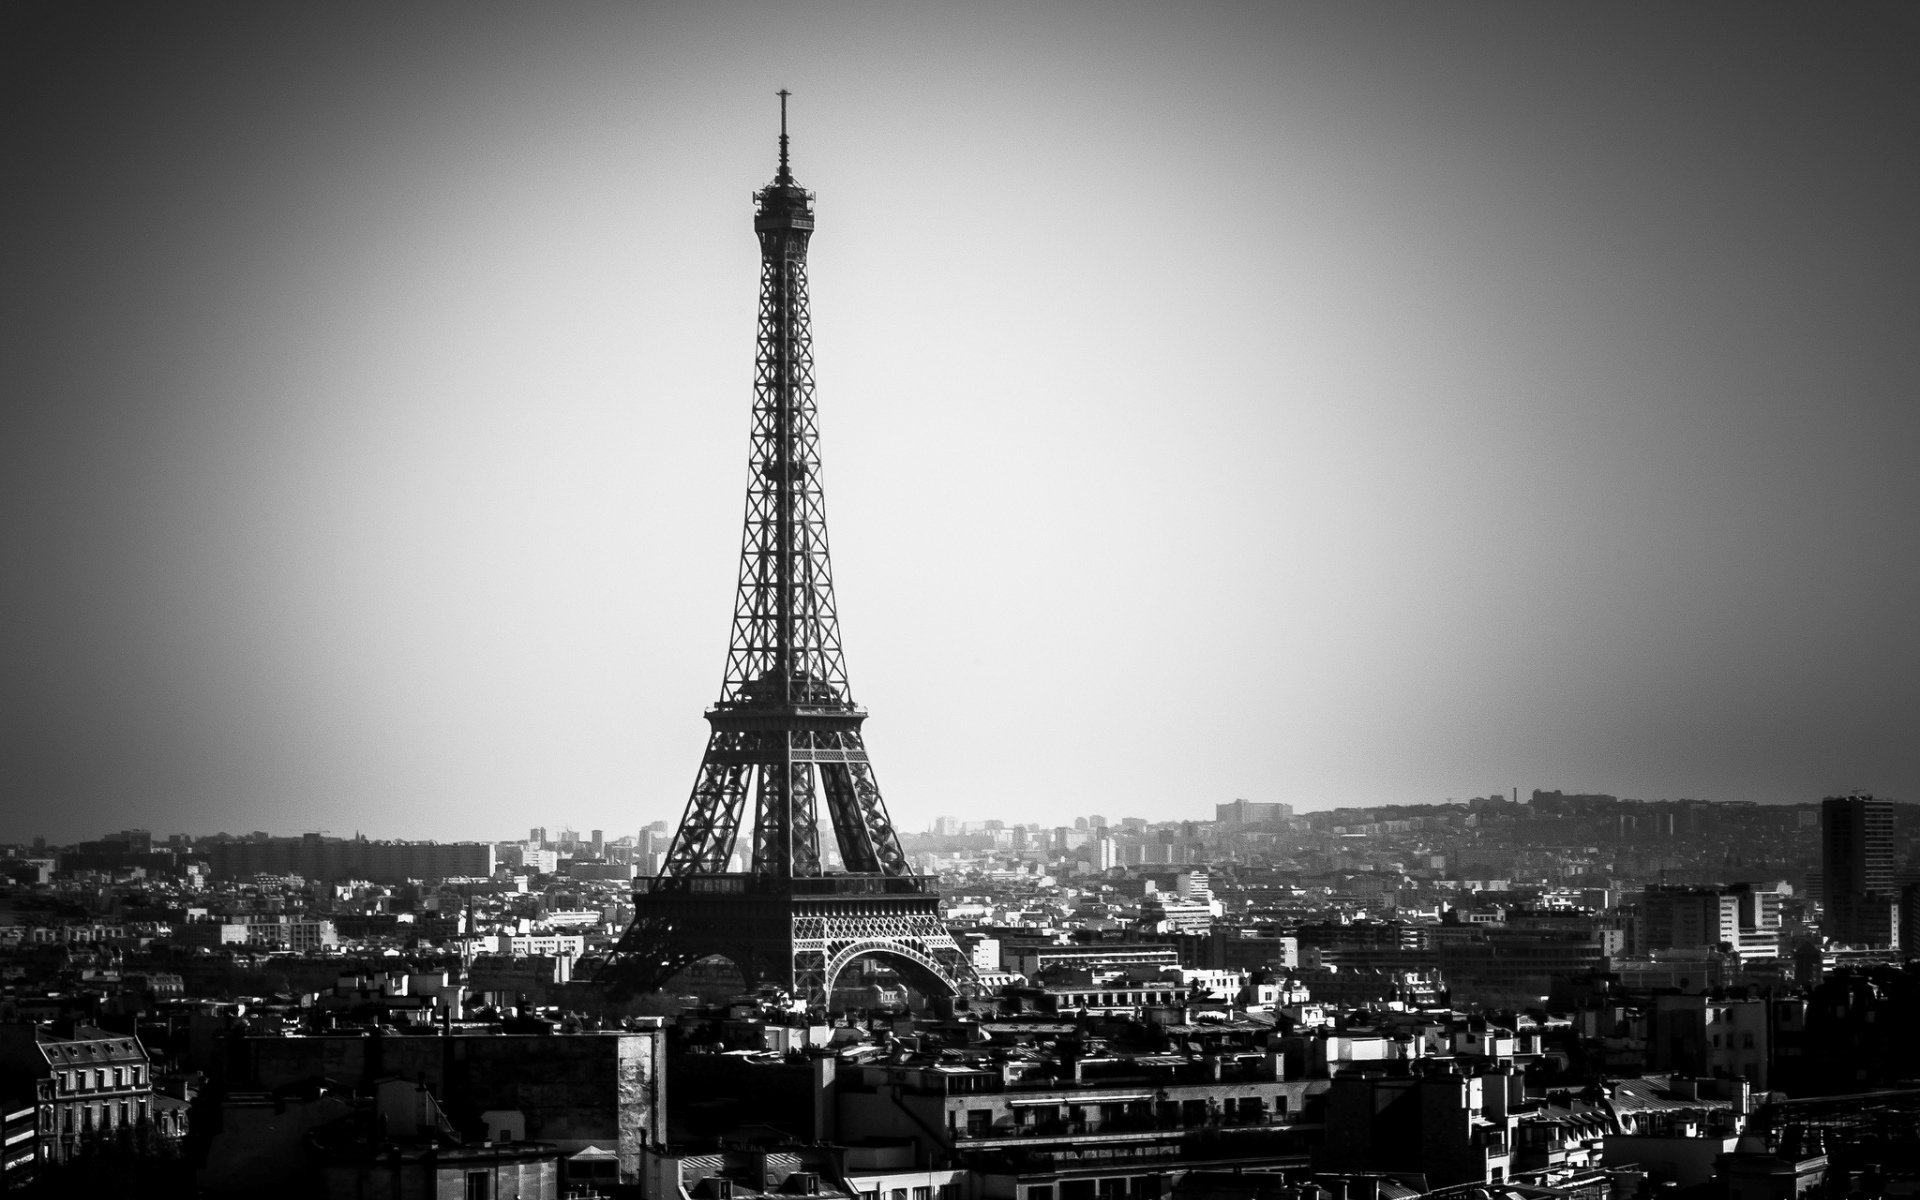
[1250,812]
[1856,867]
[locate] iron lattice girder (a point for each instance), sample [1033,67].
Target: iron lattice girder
[786,728]
[785,625]
[788,764]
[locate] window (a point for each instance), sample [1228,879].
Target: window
[478,1186]
[923,1193]
[1746,1041]
[1040,1192]
[119,1077]
[979,1121]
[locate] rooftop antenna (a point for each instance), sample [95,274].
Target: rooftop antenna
[785,177]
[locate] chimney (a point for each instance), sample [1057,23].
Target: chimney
[825,1098]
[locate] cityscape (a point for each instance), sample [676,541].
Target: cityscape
[1534,995]
[1566,995]
[1053,990]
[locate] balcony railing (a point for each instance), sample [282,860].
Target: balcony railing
[1121,1125]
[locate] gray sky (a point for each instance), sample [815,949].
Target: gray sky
[1327,403]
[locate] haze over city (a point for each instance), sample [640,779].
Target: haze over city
[1315,404]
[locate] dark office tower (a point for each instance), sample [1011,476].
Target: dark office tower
[1856,866]
[786,729]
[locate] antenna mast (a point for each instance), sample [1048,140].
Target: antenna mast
[784,176]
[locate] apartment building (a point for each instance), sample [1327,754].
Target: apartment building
[87,1085]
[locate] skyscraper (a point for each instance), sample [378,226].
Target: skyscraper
[1856,865]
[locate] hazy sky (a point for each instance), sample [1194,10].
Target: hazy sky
[1326,403]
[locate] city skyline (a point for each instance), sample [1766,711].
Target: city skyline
[1317,405]
[561,833]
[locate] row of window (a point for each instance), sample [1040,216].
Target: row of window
[84,1118]
[102,1077]
[948,1191]
[1112,999]
[1092,1189]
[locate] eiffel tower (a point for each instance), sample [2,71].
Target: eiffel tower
[786,727]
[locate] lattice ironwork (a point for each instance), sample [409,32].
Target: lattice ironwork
[786,729]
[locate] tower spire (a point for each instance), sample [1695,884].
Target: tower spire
[785,177]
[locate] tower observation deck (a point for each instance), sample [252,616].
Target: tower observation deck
[785,729]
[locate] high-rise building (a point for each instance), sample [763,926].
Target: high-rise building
[1856,867]
[1249,812]
[1744,917]
[1105,854]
